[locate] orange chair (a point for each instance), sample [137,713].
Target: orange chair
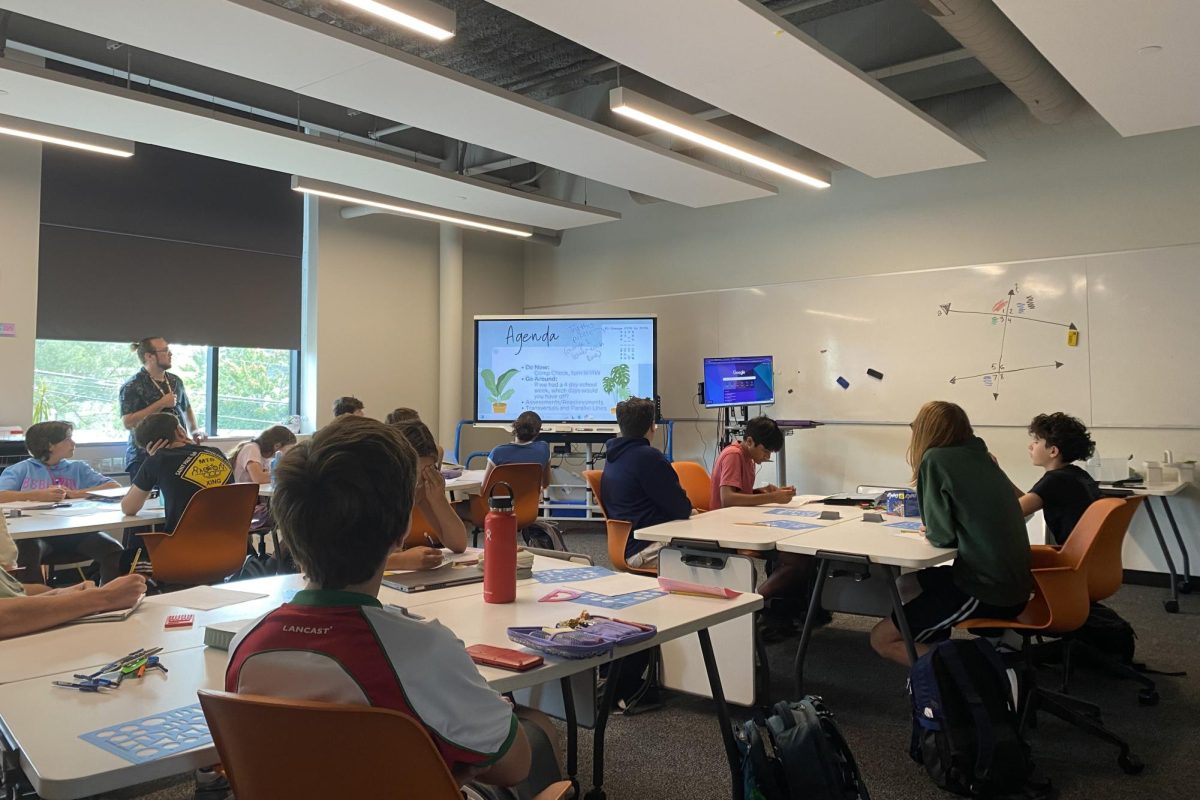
[269,746]
[618,536]
[1058,608]
[418,529]
[1105,521]
[592,476]
[209,543]
[526,483]
[696,483]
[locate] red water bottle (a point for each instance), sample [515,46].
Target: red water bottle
[500,548]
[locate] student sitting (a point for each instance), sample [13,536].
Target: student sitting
[344,497]
[250,458]
[176,466]
[348,405]
[966,502]
[431,501]
[733,471]
[639,485]
[526,449]
[31,608]
[402,414]
[1065,491]
[50,476]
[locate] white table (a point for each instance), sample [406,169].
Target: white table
[44,524]
[865,544]
[742,528]
[470,482]
[1162,492]
[44,722]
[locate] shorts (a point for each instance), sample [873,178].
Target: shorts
[543,770]
[941,605]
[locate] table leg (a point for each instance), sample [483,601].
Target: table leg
[1171,605]
[572,733]
[718,694]
[606,704]
[1185,584]
[806,634]
[893,574]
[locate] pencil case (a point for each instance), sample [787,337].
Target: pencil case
[596,639]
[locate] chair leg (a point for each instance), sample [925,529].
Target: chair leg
[1054,704]
[638,703]
[1068,646]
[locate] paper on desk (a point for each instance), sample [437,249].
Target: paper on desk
[27,505]
[119,491]
[80,509]
[621,583]
[204,598]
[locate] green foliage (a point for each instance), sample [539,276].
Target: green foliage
[496,386]
[41,408]
[616,383]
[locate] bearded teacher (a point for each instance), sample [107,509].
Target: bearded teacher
[151,390]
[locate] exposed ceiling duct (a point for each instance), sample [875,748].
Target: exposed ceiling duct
[984,30]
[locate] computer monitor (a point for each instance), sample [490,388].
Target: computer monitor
[739,381]
[569,369]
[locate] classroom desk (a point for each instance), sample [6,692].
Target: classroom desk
[741,528]
[44,524]
[865,544]
[470,482]
[1162,493]
[61,766]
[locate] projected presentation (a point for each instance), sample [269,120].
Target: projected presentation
[738,381]
[567,370]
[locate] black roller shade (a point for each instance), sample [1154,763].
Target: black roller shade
[194,249]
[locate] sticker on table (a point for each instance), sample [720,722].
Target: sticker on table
[154,737]
[789,524]
[793,512]
[617,601]
[908,525]
[571,575]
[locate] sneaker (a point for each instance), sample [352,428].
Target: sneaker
[212,785]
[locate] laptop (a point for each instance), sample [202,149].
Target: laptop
[444,576]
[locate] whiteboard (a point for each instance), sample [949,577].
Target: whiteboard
[994,338]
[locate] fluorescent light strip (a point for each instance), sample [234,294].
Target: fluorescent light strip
[41,137]
[626,110]
[392,14]
[414,212]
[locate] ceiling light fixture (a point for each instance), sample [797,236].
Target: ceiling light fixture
[662,116]
[66,137]
[359,197]
[429,19]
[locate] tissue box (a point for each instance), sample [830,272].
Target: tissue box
[902,502]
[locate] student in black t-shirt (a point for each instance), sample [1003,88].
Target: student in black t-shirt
[177,466]
[1066,490]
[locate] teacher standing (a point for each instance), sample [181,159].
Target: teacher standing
[150,391]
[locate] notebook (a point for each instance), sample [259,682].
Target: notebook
[110,616]
[440,578]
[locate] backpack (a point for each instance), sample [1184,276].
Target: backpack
[1112,637]
[797,752]
[965,729]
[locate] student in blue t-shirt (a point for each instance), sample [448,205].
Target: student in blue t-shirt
[526,449]
[50,476]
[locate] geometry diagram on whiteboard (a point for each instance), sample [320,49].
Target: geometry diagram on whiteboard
[1014,308]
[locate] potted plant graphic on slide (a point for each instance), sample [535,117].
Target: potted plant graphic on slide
[497,392]
[616,384]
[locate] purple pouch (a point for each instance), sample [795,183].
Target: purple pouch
[596,639]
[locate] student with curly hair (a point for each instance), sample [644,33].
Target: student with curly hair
[1065,491]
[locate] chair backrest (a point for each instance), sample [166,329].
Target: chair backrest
[526,483]
[418,528]
[618,536]
[273,747]
[592,476]
[693,477]
[1096,541]
[209,543]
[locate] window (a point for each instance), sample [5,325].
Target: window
[79,382]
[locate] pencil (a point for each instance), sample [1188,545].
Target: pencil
[136,557]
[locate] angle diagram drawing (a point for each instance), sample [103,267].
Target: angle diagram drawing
[1012,308]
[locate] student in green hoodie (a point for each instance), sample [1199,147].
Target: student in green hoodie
[967,503]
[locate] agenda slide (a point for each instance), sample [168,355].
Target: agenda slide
[572,369]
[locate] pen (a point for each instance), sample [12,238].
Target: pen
[136,557]
[430,540]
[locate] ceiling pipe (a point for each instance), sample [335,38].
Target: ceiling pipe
[997,43]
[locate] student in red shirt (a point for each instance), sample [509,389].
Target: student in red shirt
[733,485]
[733,471]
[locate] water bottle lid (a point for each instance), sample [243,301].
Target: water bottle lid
[502,503]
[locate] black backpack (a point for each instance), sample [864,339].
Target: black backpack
[797,752]
[965,729]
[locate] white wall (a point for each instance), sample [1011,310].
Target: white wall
[20,210]
[1081,191]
